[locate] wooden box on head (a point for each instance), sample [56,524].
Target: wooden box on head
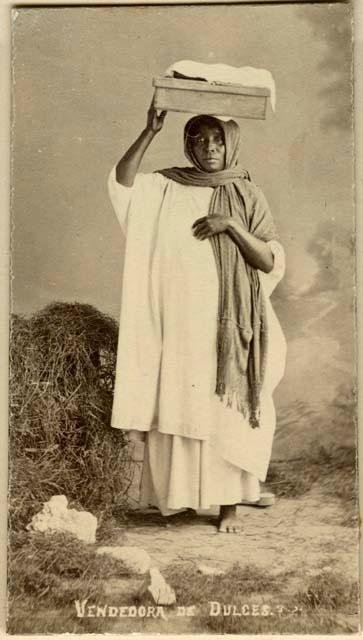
[198,96]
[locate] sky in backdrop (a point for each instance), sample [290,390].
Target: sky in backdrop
[82,83]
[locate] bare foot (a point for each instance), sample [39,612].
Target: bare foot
[228,521]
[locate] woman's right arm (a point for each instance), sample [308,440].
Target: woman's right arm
[127,167]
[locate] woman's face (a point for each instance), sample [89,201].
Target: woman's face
[209,148]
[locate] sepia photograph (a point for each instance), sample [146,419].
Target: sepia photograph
[182,419]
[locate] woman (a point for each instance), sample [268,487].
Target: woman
[200,348]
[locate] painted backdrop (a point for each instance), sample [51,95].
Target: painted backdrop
[81,88]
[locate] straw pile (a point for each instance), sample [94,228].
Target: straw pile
[62,368]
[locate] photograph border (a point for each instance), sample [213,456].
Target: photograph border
[5,163]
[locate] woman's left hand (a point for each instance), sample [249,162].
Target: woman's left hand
[210,225]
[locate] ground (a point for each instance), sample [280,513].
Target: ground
[295,534]
[299,557]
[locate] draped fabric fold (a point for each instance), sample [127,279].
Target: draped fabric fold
[242,333]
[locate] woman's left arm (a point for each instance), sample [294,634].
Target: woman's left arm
[256,252]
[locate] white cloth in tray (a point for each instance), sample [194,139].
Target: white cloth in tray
[226,74]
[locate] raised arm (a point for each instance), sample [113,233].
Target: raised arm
[127,167]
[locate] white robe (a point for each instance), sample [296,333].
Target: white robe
[198,451]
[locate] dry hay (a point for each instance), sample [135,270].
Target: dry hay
[62,368]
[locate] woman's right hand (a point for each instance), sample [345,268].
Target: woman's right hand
[155,121]
[127,167]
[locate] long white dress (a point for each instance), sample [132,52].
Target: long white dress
[198,452]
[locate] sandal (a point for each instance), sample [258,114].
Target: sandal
[266,499]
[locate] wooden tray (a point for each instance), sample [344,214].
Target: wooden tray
[197,96]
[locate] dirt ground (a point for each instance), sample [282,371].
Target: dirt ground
[280,552]
[302,534]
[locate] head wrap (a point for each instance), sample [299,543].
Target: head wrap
[242,330]
[231,133]
[196,175]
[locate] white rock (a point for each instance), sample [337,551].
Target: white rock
[57,504]
[209,571]
[134,559]
[56,517]
[159,590]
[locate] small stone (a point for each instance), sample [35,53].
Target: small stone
[56,517]
[57,504]
[209,571]
[134,559]
[157,587]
